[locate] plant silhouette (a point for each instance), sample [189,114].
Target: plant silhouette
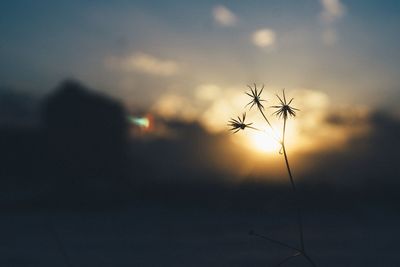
[284,111]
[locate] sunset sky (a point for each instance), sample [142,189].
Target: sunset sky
[119,145]
[191,61]
[141,50]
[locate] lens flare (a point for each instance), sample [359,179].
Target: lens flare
[142,122]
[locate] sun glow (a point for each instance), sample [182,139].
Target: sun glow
[263,142]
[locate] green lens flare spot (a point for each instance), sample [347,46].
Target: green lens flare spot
[140,121]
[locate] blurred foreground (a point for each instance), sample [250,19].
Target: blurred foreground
[158,235]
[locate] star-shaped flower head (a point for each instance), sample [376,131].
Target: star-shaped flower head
[238,124]
[255,97]
[284,109]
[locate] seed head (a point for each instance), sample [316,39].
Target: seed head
[238,124]
[284,110]
[255,97]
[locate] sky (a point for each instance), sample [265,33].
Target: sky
[138,50]
[192,61]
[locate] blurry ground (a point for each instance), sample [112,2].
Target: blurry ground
[158,235]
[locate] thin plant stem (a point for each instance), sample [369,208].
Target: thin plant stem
[60,245]
[265,117]
[270,125]
[297,199]
[299,212]
[309,260]
[288,259]
[300,251]
[277,242]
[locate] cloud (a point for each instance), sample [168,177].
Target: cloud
[332,11]
[370,157]
[330,144]
[174,106]
[144,63]
[223,16]
[212,106]
[209,104]
[308,132]
[207,92]
[264,38]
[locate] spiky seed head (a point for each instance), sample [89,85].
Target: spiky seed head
[255,97]
[284,110]
[238,124]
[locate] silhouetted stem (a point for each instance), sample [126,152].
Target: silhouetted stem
[301,252]
[60,245]
[265,117]
[277,242]
[288,259]
[269,124]
[309,260]
[299,213]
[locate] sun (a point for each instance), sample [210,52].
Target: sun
[262,142]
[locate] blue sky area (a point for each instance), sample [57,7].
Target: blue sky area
[347,49]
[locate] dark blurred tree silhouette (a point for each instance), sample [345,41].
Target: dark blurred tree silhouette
[79,155]
[87,138]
